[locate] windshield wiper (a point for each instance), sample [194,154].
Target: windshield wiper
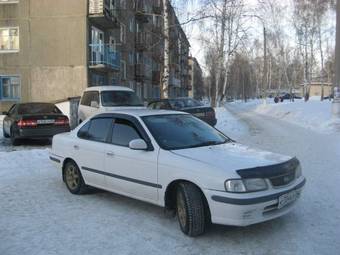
[208,143]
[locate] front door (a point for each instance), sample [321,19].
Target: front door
[131,172]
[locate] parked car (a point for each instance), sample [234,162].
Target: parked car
[174,160]
[34,121]
[106,98]
[189,105]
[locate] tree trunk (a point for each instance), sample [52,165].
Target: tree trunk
[166,72]
[220,63]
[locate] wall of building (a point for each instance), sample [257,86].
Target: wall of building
[51,61]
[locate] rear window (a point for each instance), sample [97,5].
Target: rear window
[120,98]
[37,108]
[184,103]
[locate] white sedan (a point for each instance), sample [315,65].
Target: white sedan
[177,161]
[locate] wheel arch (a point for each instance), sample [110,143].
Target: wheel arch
[66,160]
[170,194]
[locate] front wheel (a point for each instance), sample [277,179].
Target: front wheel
[191,209]
[73,178]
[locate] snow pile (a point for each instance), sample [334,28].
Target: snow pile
[229,124]
[314,114]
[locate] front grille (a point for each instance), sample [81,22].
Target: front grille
[283,180]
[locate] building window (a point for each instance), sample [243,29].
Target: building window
[122,33]
[123,4]
[132,25]
[131,58]
[10,88]
[9,39]
[123,70]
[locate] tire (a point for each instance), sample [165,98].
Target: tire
[4,133]
[191,210]
[73,179]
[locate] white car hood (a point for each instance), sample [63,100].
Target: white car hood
[232,156]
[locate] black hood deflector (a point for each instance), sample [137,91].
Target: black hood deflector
[271,170]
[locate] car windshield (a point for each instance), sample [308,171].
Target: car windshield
[120,98]
[181,131]
[184,103]
[37,108]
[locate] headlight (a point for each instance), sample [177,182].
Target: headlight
[245,185]
[298,171]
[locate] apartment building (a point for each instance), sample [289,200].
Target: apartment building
[50,50]
[196,84]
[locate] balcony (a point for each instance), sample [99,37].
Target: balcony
[141,13]
[157,9]
[156,77]
[143,72]
[141,41]
[103,57]
[173,81]
[101,14]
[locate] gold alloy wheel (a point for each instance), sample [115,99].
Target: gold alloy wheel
[72,177]
[181,210]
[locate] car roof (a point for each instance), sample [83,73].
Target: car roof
[108,88]
[141,112]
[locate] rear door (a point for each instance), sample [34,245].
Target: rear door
[89,150]
[131,172]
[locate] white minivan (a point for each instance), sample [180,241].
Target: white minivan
[106,98]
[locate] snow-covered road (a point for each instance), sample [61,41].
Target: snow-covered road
[39,216]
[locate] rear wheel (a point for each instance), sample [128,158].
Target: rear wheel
[14,140]
[73,178]
[191,209]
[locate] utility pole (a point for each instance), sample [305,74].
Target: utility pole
[336,101]
[166,70]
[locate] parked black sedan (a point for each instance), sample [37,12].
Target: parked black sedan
[34,121]
[189,105]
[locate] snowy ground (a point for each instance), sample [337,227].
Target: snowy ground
[39,216]
[313,114]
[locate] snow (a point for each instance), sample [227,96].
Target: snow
[38,215]
[313,114]
[229,124]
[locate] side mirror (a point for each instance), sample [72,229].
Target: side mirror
[4,113]
[94,104]
[138,144]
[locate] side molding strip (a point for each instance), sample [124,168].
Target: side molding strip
[154,185]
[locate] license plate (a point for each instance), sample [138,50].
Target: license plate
[288,198]
[49,121]
[200,114]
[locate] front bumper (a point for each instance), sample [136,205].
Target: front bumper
[249,208]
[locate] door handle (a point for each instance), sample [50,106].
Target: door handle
[76,147]
[110,154]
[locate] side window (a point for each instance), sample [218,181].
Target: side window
[89,97]
[99,129]
[85,99]
[124,132]
[83,132]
